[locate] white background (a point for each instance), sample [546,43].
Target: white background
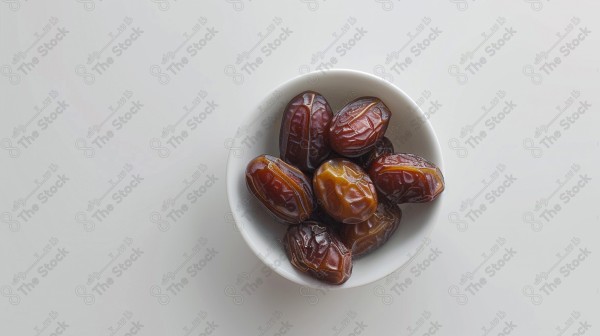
[60,264]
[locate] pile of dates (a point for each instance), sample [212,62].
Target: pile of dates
[337,183]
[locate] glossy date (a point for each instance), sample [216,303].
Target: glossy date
[358,126]
[345,191]
[303,140]
[283,189]
[406,178]
[383,147]
[315,249]
[367,236]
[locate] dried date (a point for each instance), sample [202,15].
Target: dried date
[315,249]
[303,140]
[283,189]
[383,147]
[358,126]
[366,236]
[345,191]
[407,178]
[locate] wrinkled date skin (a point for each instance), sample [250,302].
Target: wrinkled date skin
[303,140]
[283,189]
[315,249]
[383,147]
[345,191]
[366,236]
[358,126]
[407,178]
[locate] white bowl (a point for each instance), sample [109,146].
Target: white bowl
[409,131]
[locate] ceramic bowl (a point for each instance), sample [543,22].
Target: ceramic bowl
[410,132]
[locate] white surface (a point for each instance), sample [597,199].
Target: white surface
[233,288]
[264,234]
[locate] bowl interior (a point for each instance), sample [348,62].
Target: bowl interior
[408,130]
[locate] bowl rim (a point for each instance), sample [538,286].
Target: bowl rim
[256,112]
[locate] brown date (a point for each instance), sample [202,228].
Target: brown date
[283,189]
[303,135]
[366,236]
[315,249]
[345,191]
[357,127]
[407,178]
[383,147]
